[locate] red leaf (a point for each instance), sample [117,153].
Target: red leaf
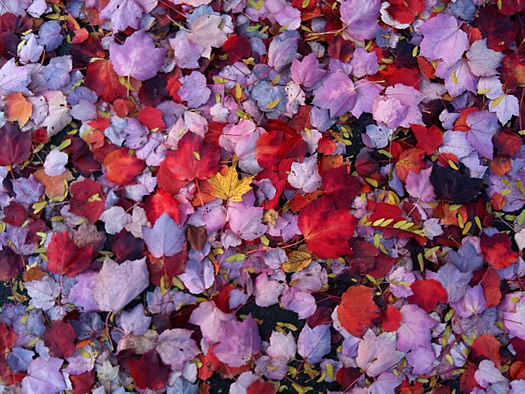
[260,386]
[357,310]
[83,383]
[467,381]
[519,346]
[65,257]
[149,372]
[409,160]
[491,287]
[499,30]
[11,264]
[169,267]
[427,294]
[60,339]
[497,250]
[161,202]
[126,247]
[281,142]
[428,140]
[237,47]
[87,199]
[101,78]
[15,213]
[340,186]
[210,363]
[173,86]
[15,146]
[391,318]
[347,377]
[151,117]
[511,7]
[326,229]
[121,167]
[507,143]
[486,347]
[193,160]
[367,259]
[405,11]
[7,338]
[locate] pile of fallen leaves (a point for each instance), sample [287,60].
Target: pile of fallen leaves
[261,196]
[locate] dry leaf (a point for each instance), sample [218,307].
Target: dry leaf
[54,186]
[297,261]
[230,187]
[18,108]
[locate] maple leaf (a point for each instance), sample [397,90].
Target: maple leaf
[194,159]
[149,372]
[486,347]
[357,310]
[15,145]
[497,250]
[121,167]
[102,78]
[151,117]
[427,294]
[161,202]
[65,257]
[18,108]
[87,199]
[229,186]
[60,339]
[11,264]
[297,261]
[326,230]
[428,140]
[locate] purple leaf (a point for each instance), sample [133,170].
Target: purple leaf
[422,360]
[307,72]
[360,18]
[506,106]
[487,374]
[210,319]
[165,238]
[443,39]
[117,285]
[135,321]
[175,347]
[14,78]
[137,57]
[194,89]
[126,13]
[81,293]
[337,94]
[418,185]
[483,125]
[44,377]
[314,343]
[415,328]
[364,63]
[483,61]
[378,354]
[282,51]
[282,347]
[239,342]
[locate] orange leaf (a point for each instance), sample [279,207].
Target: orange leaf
[18,108]
[409,160]
[358,310]
[54,186]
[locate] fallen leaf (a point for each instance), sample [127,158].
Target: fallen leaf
[229,186]
[18,108]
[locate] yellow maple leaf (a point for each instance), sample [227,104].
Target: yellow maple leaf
[18,108]
[229,186]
